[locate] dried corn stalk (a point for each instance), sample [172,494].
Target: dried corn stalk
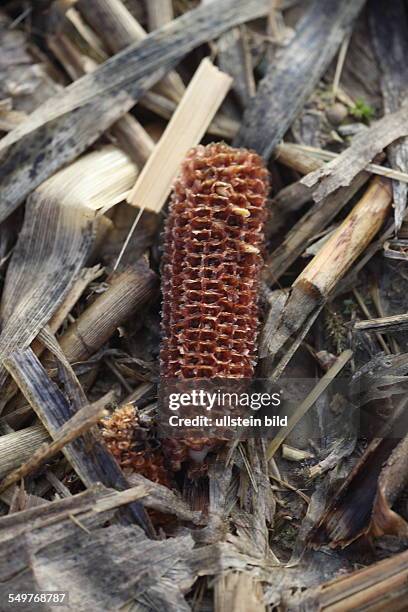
[205,93]
[87,454]
[127,292]
[381,586]
[17,447]
[315,283]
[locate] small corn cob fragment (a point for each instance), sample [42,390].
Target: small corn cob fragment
[121,433]
[211,270]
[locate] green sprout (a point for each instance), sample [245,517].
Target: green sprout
[363,111]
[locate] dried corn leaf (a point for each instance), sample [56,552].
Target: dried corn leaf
[17,447]
[239,592]
[381,586]
[55,241]
[365,146]
[392,481]
[389,24]
[165,500]
[93,500]
[22,79]
[295,72]
[117,27]
[87,454]
[234,58]
[59,130]
[79,423]
[44,549]
[363,502]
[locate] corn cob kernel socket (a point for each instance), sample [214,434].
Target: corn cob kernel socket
[211,273]
[211,264]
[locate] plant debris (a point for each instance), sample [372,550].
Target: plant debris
[102,204]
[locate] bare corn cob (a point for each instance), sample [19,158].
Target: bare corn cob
[210,272]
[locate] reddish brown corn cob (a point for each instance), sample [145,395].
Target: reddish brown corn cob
[211,264]
[119,431]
